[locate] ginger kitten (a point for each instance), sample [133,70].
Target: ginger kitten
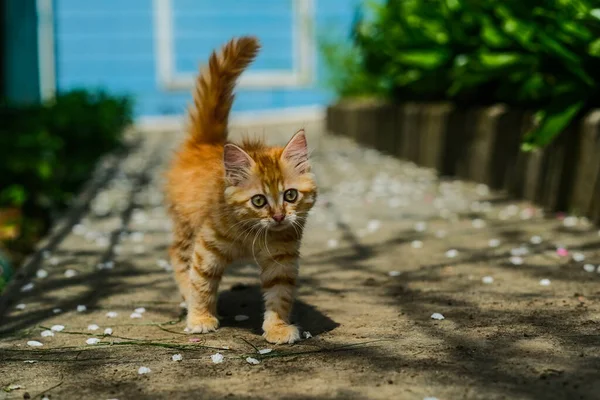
[236,201]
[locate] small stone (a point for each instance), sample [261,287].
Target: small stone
[57,328]
[47,333]
[92,341]
[516,260]
[111,314]
[81,308]
[482,190]
[570,222]
[545,282]
[70,273]
[478,223]
[217,358]
[41,273]
[421,226]
[177,357]
[144,370]
[240,318]
[20,306]
[536,239]
[589,268]
[252,360]
[54,261]
[34,343]
[27,288]
[452,253]
[307,335]
[417,244]
[494,243]
[183,304]
[487,280]
[437,316]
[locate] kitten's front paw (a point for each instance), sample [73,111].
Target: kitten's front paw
[204,324]
[280,334]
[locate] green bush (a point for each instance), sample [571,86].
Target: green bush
[48,151]
[542,55]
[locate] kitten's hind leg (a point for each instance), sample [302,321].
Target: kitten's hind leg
[278,276]
[180,253]
[208,264]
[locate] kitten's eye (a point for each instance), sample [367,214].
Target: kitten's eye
[259,201]
[290,195]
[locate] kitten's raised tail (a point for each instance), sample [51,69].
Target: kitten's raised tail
[213,95]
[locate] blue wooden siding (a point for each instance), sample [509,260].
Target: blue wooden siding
[111,44]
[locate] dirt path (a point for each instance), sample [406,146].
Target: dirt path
[388,245]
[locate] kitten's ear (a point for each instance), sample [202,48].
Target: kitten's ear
[296,152]
[237,164]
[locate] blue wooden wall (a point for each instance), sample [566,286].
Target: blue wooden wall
[111,44]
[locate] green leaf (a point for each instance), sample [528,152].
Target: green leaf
[426,59]
[499,60]
[595,13]
[553,121]
[594,49]
[491,35]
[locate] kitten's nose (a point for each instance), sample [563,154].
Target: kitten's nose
[278,217]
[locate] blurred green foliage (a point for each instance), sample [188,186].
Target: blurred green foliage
[542,55]
[48,151]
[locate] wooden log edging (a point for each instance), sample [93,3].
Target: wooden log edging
[483,145]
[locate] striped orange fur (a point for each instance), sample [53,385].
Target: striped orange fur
[236,201]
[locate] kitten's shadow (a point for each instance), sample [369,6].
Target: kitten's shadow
[247,300]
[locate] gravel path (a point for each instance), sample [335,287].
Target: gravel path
[410,287]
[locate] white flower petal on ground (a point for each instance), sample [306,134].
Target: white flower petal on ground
[108,331]
[93,340]
[570,222]
[589,268]
[111,314]
[307,335]
[81,308]
[34,343]
[177,357]
[394,273]
[135,315]
[30,361]
[70,273]
[183,304]
[47,333]
[27,288]
[217,358]
[144,370]
[536,239]
[332,243]
[93,327]
[487,280]
[57,328]
[578,257]
[54,261]
[417,244]
[545,282]
[41,273]
[265,351]
[252,360]
[56,310]
[437,316]
[519,251]
[240,318]
[516,260]
[494,243]
[451,253]
[140,310]
[430,398]
[20,306]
